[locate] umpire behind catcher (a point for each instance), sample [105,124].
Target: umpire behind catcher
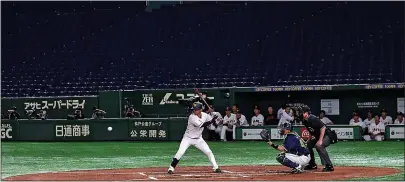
[322,137]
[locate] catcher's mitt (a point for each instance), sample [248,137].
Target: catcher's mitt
[265,135]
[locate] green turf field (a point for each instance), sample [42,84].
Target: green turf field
[24,157]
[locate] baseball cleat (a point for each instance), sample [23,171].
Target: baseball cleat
[217,170]
[297,170]
[311,167]
[328,169]
[171,170]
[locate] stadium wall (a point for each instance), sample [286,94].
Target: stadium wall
[338,101]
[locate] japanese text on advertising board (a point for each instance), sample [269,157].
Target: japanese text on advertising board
[72,130]
[148,130]
[55,104]
[6,131]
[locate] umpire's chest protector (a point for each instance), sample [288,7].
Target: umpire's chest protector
[314,125]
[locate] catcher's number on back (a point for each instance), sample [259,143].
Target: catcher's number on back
[265,135]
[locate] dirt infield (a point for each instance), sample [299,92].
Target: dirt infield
[241,173]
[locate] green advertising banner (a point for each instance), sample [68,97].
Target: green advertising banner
[394,132]
[56,107]
[8,130]
[149,129]
[165,103]
[73,131]
[344,132]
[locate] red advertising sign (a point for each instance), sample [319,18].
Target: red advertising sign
[305,133]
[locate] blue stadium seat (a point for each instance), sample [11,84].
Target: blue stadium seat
[80,48]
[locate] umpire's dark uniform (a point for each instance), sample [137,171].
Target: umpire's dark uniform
[314,125]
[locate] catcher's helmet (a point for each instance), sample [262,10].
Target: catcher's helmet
[285,126]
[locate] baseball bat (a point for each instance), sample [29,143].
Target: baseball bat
[200,95]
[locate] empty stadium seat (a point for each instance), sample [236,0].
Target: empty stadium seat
[80,48]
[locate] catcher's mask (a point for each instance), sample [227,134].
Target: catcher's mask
[285,126]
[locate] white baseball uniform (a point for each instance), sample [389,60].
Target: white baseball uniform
[257,120]
[228,120]
[285,118]
[279,113]
[399,122]
[387,120]
[352,120]
[218,121]
[373,131]
[359,123]
[242,121]
[193,136]
[368,122]
[326,120]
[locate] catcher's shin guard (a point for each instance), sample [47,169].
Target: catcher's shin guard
[285,161]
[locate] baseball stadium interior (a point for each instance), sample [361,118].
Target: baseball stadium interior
[253,88]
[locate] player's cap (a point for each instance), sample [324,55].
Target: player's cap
[197,106]
[355,114]
[257,107]
[355,111]
[228,109]
[399,113]
[238,112]
[384,110]
[322,111]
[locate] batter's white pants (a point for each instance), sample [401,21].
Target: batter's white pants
[375,137]
[226,128]
[302,160]
[200,144]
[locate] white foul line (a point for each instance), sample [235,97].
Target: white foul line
[150,177]
[230,172]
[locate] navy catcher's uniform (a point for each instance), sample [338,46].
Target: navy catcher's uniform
[294,152]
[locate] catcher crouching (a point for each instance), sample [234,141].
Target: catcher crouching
[294,152]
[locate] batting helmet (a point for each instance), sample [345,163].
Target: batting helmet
[197,106]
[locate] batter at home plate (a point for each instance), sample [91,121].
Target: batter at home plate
[193,136]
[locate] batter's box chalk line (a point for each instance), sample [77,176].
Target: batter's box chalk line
[238,174]
[278,172]
[150,177]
